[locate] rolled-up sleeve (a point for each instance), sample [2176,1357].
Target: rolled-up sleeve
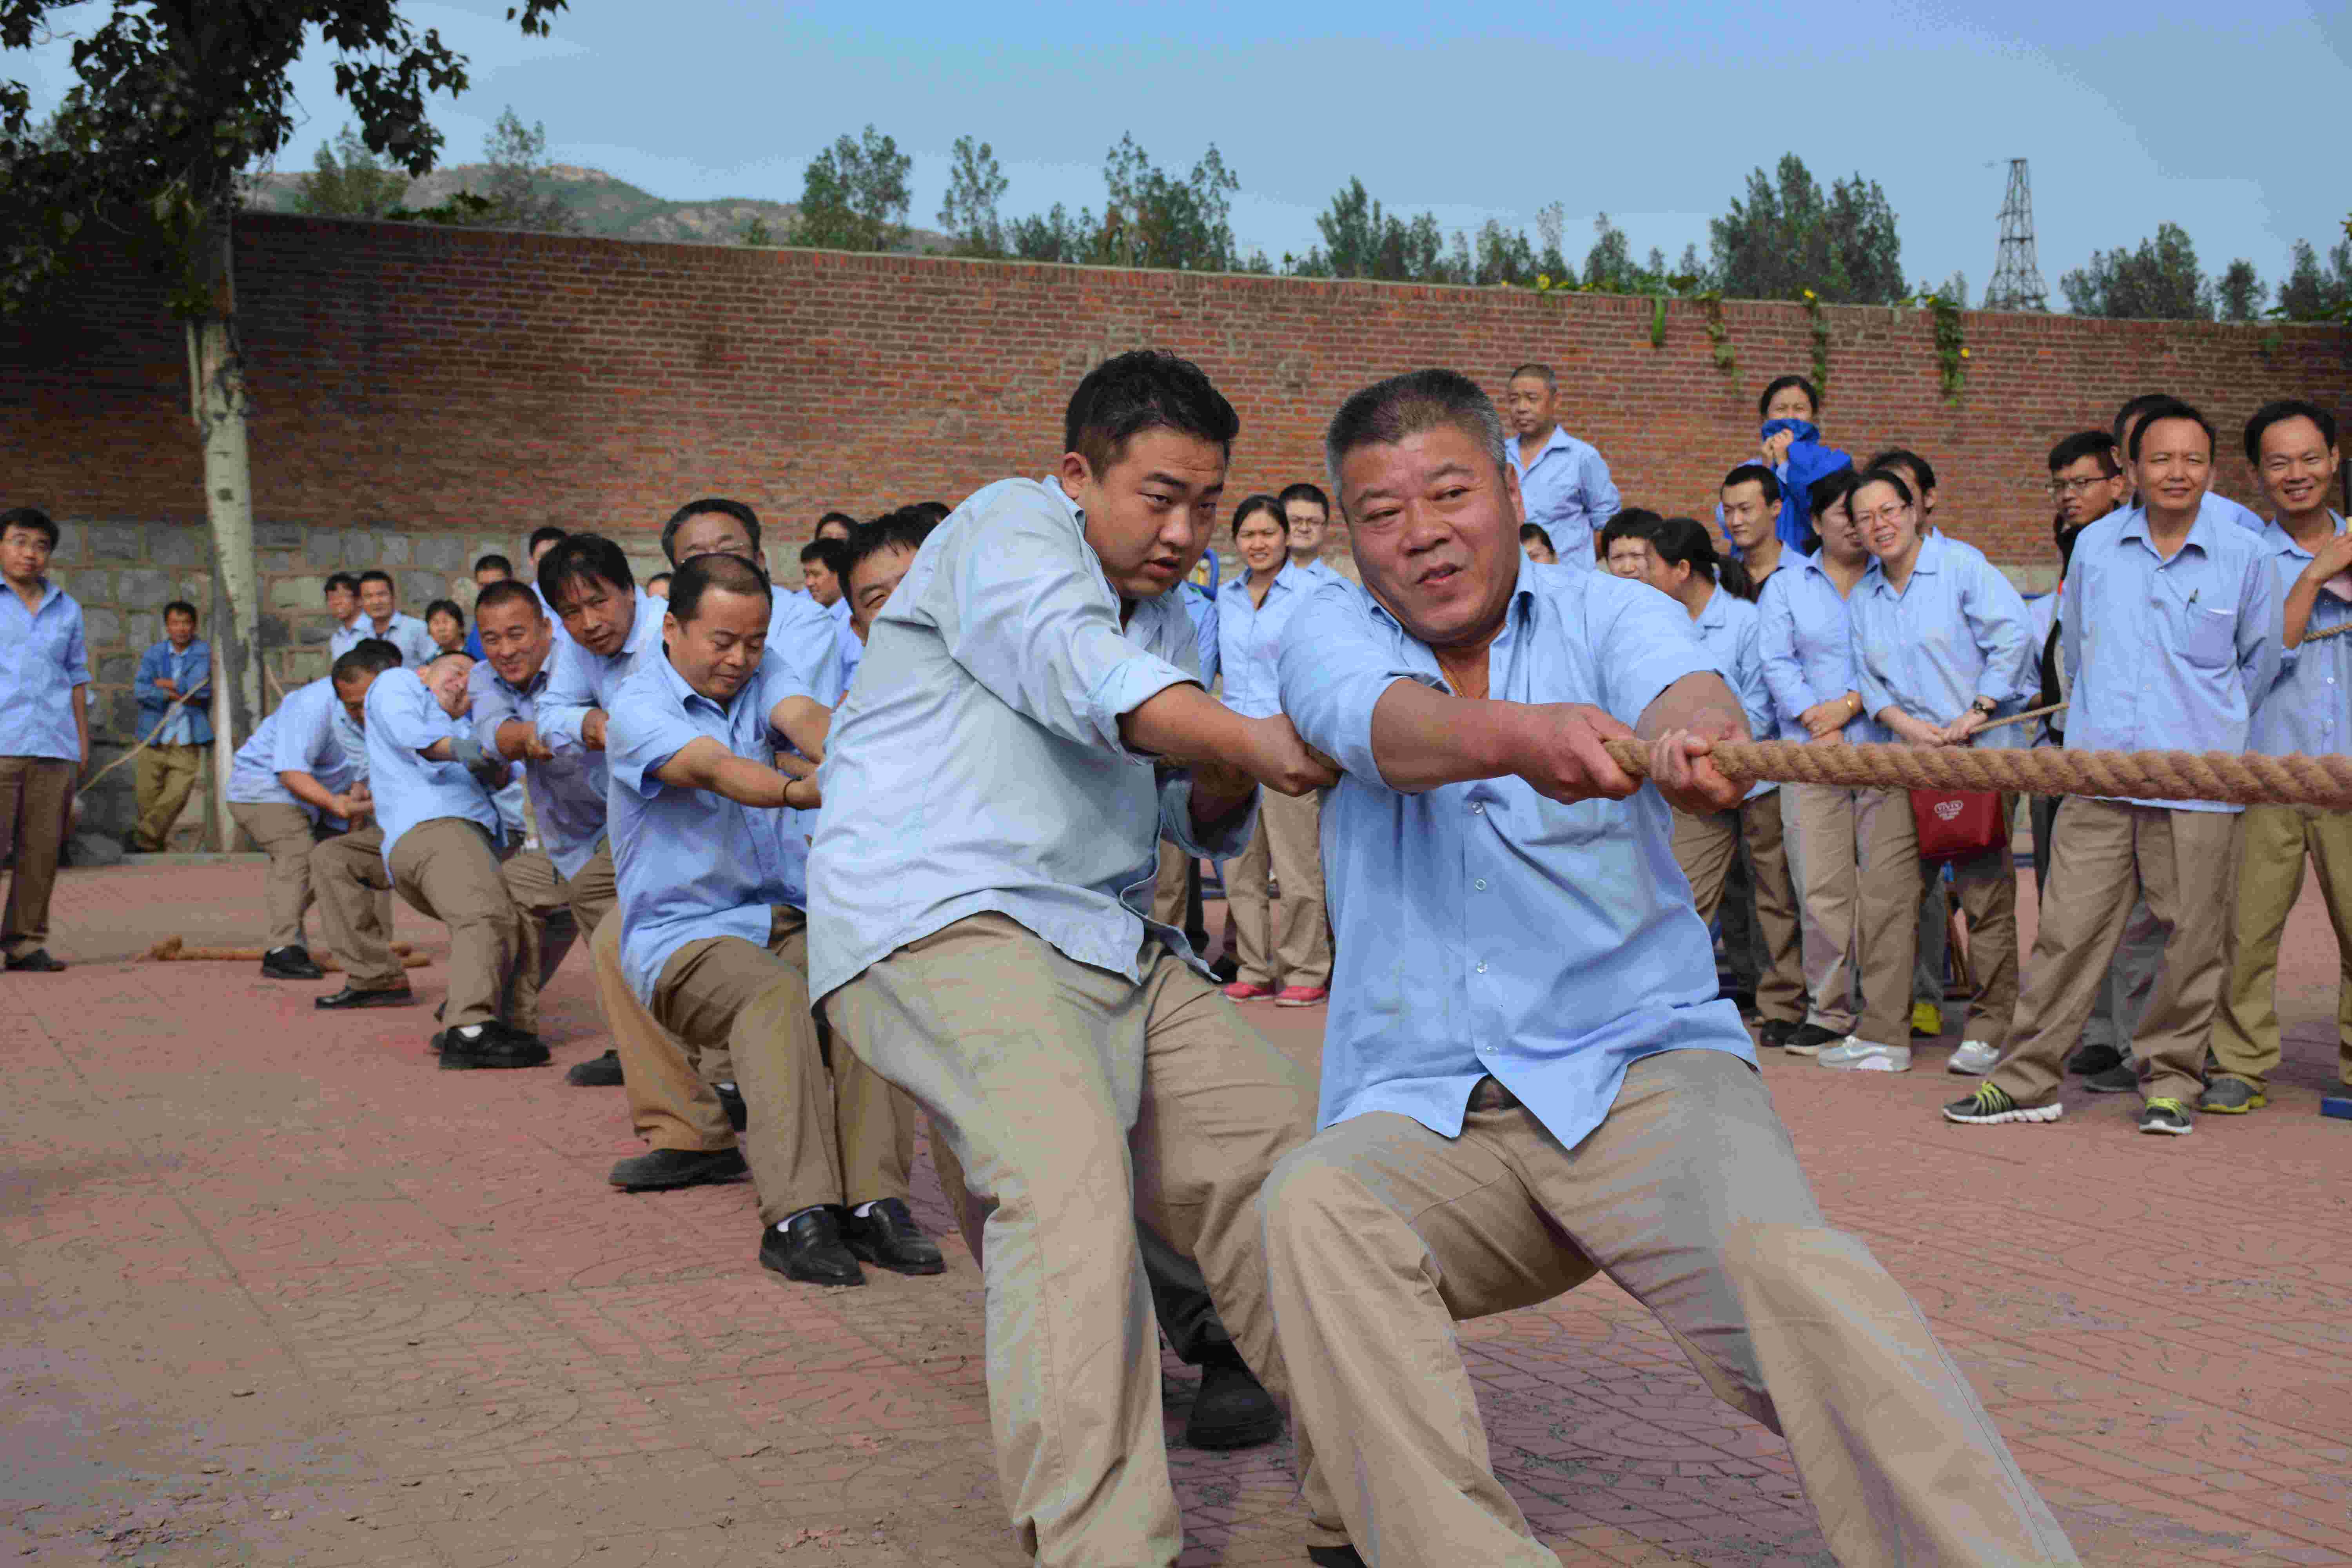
[1335,666]
[1643,643]
[565,702]
[77,659]
[641,737]
[1776,647]
[1600,491]
[494,705]
[1023,607]
[1224,840]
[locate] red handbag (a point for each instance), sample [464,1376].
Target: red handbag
[1954,823]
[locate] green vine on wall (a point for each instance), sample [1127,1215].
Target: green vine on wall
[1951,343]
[1725,359]
[1820,342]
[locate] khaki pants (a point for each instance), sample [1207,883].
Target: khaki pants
[36,799]
[166,776]
[1381,1233]
[2105,853]
[544,900]
[2272,843]
[1081,1104]
[287,836]
[1827,822]
[1986,885]
[815,1136]
[1705,847]
[668,1088]
[444,868]
[1294,948]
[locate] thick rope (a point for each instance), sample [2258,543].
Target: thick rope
[2240,779]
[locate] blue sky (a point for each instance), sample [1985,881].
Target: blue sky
[1651,114]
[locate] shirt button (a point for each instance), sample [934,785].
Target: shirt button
[1480,884]
[1477,808]
[1482,966]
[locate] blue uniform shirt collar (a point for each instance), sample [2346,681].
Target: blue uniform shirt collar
[688,698]
[2279,541]
[1523,595]
[2200,537]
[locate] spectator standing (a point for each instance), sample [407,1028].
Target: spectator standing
[1719,597]
[1941,646]
[44,728]
[1804,637]
[836,525]
[444,623]
[343,592]
[1564,485]
[488,569]
[2087,482]
[657,586]
[1536,545]
[381,617]
[824,577]
[1286,957]
[2292,445]
[173,691]
[2171,625]
[1307,514]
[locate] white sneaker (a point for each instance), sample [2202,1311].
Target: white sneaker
[1974,1057]
[1854,1054]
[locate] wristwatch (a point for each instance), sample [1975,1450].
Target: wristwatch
[1984,705]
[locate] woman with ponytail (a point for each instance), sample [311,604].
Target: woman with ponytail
[1681,561]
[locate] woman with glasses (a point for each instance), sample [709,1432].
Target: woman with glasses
[1940,646]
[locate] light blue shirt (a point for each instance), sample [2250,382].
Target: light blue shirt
[300,735]
[406,633]
[42,659]
[811,640]
[1568,493]
[2167,655]
[1954,632]
[2305,710]
[1200,606]
[983,768]
[567,792]
[691,864]
[578,679]
[403,719]
[1805,634]
[1726,626]
[1249,638]
[1481,928]
[851,653]
[190,669]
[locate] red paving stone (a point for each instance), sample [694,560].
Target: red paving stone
[277,1291]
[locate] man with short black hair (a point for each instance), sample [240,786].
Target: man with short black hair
[381,617]
[2086,482]
[712,869]
[44,730]
[292,785]
[2128,420]
[657,585]
[1528,1078]
[173,691]
[1307,512]
[1035,700]
[489,569]
[2292,445]
[1749,499]
[834,525]
[342,592]
[2170,634]
[542,539]
[441,838]
[1564,484]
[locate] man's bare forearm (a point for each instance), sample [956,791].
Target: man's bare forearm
[1701,703]
[1185,725]
[1424,738]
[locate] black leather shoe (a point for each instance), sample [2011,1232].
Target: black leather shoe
[293,962]
[2093,1058]
[1335,1557]
[808,1247]
[887,1237]
[496,1046]
[1233,1409]
[398,996]
[596,1072]
[738,1115]
[37,961]
[1776,1032]
[663,1170]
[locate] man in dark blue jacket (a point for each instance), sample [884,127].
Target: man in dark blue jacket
[175,707]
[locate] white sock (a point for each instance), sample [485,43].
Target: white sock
[471,1032]
[862,1210]
[728,1087]
[796,1213]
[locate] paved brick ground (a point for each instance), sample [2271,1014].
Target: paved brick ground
[274,1290]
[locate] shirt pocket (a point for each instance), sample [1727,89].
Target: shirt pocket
[2207,638]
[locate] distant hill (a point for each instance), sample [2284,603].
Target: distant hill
[600,205]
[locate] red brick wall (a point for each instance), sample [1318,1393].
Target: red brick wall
[452,381]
